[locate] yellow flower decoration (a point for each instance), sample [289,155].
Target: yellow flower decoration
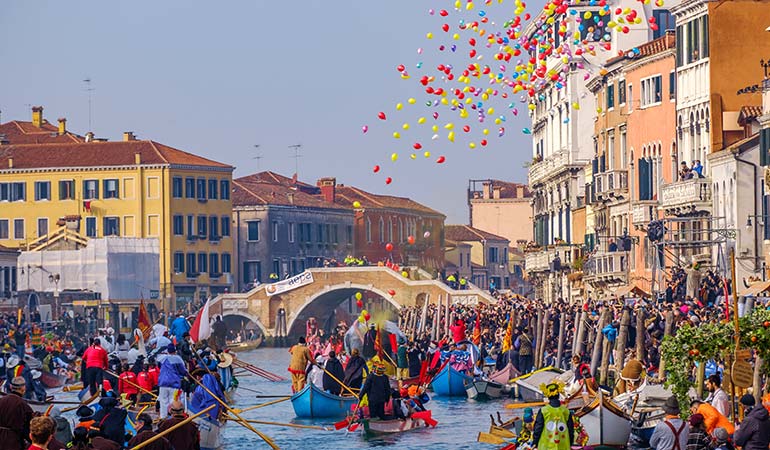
[552,389]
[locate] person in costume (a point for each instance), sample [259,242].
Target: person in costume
[554,427]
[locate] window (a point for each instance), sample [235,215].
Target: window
[382,230]
[665,21]
[252,271]
[224,189]
[179,225]
[189,187]
[214,264]
[214,228]
[225,226]
[110,188]
[190,226]
[42,226]
[18,192]
[202,225]
[275,231]
[291,232]
[651,91]
[252,230]
[91,227]
[42,190]
[327,231]
[368,230]
[679,46]
[320,234]
[623,143]
[349,235]
[672,85]
[178,262]
[203,260]
[390,230]
[191,272]
[4,229]
[621,92]
[277,268]
[213,189]
[705,32]
[630,98]
[5,192]
[177,187]
[201,189]
[335,237]
[66,190]
[90,189]
[493,254]
[18,228]
[112,226]
[610,96]
[226,263]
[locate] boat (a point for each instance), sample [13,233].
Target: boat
[483,389]
[210,432]
[604,422]
[53,380]
[246,346]
[312,402]
[528,386]
[416,420]
[450,383]
[504,377]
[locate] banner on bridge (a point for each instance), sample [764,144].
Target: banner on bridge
[279,287]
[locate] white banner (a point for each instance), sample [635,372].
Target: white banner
[279,287]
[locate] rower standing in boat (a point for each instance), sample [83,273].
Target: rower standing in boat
[554,426]
[377,389]
[300,358]
[355,370]
[15,415]
[332,374]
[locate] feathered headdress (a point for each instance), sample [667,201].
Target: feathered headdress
[552,389]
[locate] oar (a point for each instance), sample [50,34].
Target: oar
[132,384]
[169,430]
[240,420]
[337,380]
[84,402]
[270,396]
[72,387]
[262,405]
[525,405]
[257,370]
[292,425]
[487,438]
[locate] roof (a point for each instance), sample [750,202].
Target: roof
[748,113]
[19,132]
[755,289]
[252,193]
[98,154]
[275,178]
[507,190]
[346,195]
[467,233]
[659,45]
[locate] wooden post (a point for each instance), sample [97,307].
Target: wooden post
[599,341]
[620,345]
[700,375]
[604,371]
[737,334]
[757,384]
[437,319]
[575,326]
[544,334]
[560,345]
[536,335]
[581,345]
[666,332]
[641,330]
[447,315]
[424,315]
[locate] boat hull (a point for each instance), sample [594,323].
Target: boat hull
[210,433]
[528,386]
[605,423]
[480,389]
[374,427]
[312,402]
[450,383]
[52,380]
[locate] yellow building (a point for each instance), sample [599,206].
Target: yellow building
[131,188]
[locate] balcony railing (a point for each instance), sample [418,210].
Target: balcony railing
[643,212]
[540,261]
[612,184]
[687,197]
[540,171]
[607,267]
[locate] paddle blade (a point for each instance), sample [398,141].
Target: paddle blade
[353,427]
[486,438]
[342,424]
[509,447]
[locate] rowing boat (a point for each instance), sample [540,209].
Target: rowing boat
[450,383]
[483,389]
[312,402]
[504,377]
[604,422]
[210,432]
[247,345]
[391,426]
[528,386]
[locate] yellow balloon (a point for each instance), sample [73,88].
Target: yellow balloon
[394,157]
[399,106]
[411,101]
[463,113]
[498,121]
[429,35]
[405,274]
[396,135]
[364,312]
[358,296]
[575,105]
[426,154]
[421,120]
[356,204]
[434,128]
[490,111]
[451,136]
[472,145]
[455,36]
[449,126]
[485,131]
[405,126]
[531,106]
[413,156]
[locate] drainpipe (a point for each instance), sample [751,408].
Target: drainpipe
[754,208]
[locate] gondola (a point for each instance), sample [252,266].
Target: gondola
[210,432]
[483,389]
[312,402]
[528,386]
[247,345]
[416,420]
[450,383]
[604,422]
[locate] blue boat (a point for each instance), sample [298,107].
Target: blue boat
[312,402]
[450,382]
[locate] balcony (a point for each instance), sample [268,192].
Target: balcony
[607,268]
[540,261]
[611,185]
[540,171]
[643,212]
[688,197]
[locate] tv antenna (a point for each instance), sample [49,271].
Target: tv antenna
[90,89]
[296,157]
[258,157]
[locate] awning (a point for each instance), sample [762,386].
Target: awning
[631,291]
[85,303]
[755,289]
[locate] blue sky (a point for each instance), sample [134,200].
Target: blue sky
[216,78]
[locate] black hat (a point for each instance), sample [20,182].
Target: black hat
[748,400]
[84,412]
[671,406]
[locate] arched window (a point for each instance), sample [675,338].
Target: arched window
[368,230]
[382,230]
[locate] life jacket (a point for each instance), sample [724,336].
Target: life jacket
[555,434]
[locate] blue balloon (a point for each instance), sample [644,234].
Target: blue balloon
[526,131]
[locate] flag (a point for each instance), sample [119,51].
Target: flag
[477,330]
[507,340]
[144,321]
[201,328]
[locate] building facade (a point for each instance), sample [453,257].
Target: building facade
[489,260]
[501,208]
[8,276]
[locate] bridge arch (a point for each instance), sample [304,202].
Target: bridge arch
[326,297]
[250,317]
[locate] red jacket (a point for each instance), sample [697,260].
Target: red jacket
[144,379]
[95,356]
[154,375]
[124,383]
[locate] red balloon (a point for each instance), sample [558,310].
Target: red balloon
[376,169]
[410,239]
[367,316]
[445,27]
[466,128]
[388,180]
[389,247]
[359,303]
[401,68]
[483,142]
[391,292]
[441,160]
[443,13]
[417,146]
[381,115]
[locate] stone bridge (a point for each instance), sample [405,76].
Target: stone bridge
[318,291]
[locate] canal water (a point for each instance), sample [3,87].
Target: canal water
[459,419]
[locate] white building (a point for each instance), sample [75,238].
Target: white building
[8,259]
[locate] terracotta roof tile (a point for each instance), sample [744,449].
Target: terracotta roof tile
[346,195]
[508,189]
[18,132]
[92,154]
[250,193]
[748,113]
[467,233]
[274,178]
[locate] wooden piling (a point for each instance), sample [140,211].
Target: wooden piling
[560,344]
[599,341]
[666,332]
[641,330]
[620,344]
[581,333]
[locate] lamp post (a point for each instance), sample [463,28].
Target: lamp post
[760,222]
[54,278]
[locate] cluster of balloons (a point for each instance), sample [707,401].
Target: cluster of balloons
[364,316]
[489,58]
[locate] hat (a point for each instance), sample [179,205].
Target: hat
[36,374]
[552,389]
[18,382]
[13,361]
[696,419]
[227,360]
[632,370]
[108,402]
[528,415]
[671,406]
[378,368]
[171,348]
[720,435]
[84,411]
[748,400]
[110,330]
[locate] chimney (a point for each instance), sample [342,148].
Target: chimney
[137,158]
[128,136]
[328,187]
[519,191]
[10,163]
[496,192]
[89,136]
[485,194]
[290,197]
[62,126]
[37,116]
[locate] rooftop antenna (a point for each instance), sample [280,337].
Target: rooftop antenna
[89,89]
[296,157]
[258,157]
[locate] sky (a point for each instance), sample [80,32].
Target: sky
[218,78]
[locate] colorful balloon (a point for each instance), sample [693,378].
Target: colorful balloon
[381,115]
[441,160]
[389,247]
[376,169]
[391,292]
[359,304]
[426,235]
[365,128]
[356,204]
[359,296]
[410,239]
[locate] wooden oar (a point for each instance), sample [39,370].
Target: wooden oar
[292,425]
[337,380]
[169,430]
[525,405]
[486,438]
[132,384]
[257,371]
[72,387]
[84,402]
[262,405]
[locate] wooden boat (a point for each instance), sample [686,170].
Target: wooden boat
[53,380]
[450,383]
[504,377]
[210,432]
[246,346]
[483,389]
[312,402]
[604,422]
[374,426]
[528,386]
